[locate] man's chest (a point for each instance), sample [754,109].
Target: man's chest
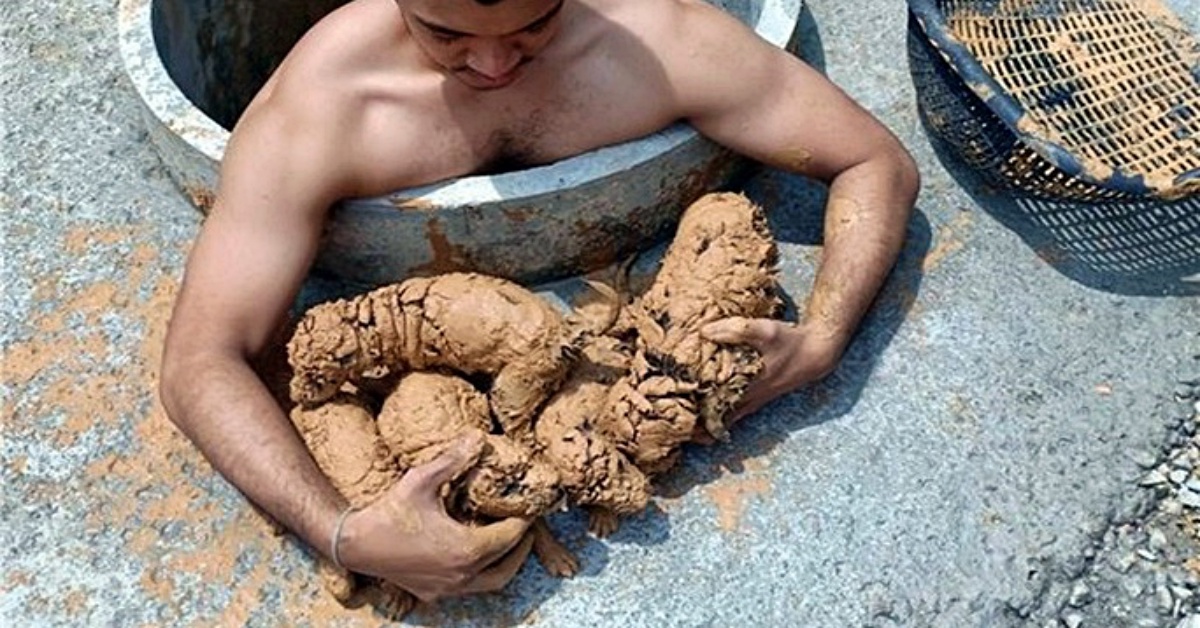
[443,139]
[540,130]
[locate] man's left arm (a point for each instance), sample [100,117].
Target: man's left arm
[776,109]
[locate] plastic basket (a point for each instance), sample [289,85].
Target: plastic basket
[1083,100]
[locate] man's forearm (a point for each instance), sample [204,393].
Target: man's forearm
[865,222]
[223,407]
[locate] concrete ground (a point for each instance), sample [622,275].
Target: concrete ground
[982,434]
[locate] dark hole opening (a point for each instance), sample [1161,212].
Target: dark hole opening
[220,52]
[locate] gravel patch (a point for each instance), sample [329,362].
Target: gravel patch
[1146,572]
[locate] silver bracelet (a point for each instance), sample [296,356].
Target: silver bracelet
[337,536]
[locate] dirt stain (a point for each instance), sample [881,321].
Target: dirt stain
[402,202]
[949,240]
[148,477]
[202,196]
[731,492]
[447,256]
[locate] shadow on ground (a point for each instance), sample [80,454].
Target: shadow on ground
[1139,247]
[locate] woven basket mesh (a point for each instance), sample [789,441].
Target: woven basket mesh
[1108,230]
[1113,83]
[1135,237]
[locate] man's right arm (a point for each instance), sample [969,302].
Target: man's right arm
[279,176]
[250,257]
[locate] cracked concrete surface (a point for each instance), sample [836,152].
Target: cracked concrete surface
[979,437]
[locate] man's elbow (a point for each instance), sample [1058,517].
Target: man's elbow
[890,174]
[172,378]
[184,366]
[904,173]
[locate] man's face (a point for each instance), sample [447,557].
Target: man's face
[485,47]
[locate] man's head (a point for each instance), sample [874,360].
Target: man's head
[483,43]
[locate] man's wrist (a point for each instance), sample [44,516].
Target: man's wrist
[318,525]
[337,536]
[822,347]
[821,333]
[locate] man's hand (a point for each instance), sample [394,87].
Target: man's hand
[793,356]
[407,538]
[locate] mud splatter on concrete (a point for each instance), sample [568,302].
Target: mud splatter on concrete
[951,237]
[88,375]
[732,492]
[202,196]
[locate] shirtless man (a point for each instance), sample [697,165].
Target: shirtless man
[388,94]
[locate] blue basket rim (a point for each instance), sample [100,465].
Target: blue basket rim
[933,23]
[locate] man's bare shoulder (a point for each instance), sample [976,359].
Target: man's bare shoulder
[342,52]
[687,38]
[697,48]
[655,20]
[643,19]
[342,88]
